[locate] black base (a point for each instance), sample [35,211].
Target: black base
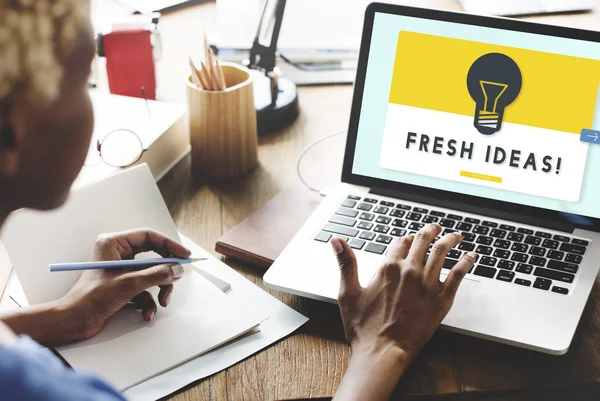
[273,117]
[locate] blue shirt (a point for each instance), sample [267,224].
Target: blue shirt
[30,372]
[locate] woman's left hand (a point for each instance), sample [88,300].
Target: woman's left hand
[98,294]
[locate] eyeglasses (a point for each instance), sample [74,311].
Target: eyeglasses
[120,148]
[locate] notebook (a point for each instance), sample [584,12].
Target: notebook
[129,350]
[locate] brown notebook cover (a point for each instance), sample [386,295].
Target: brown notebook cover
[260,238]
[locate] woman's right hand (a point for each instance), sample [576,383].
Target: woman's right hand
[388,322]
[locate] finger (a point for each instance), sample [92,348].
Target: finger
[422,240]
[438,254]
[399,248]
[349,283]
[140,280]
[145,302]
[145,239]
[458,272]
[164,296]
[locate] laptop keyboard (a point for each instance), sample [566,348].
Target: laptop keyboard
[509,253]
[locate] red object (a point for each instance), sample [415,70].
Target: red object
[130,62]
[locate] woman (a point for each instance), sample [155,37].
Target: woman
[46,124]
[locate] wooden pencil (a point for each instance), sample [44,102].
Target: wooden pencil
[220,74]
[195,76]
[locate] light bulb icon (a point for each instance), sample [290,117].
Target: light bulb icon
[494,81]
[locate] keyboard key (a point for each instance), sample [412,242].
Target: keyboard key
[448,231]
[342,237]
[481,230]
[384,239]
[519,248]
[580,242]
[353,197]
[551,244]
[363,225]
[483,250]
[507,227]
[447,223]
[576,249]
[468,237]
[449,263]
[485,271]
[349,203]
[573,258]
[342,211]
[416,226]
[489,224]
[525,231]
[420,210]
[466,246]
[398,232]
[485,240]
[537,251]
[501,253]
[554,275]
[356,243]
[383,220]
[385,203]
[454,217]
[375,248]
[537,261]
[345,221]
[381,210]
[515,237]
[543,234]
[430,219]
[542,284]
[367,216]
[506,264]
[464,226]
[561,238]
[563,267]
[335,229]
[414,216]
[557,255]
[437,214]
[367,235]
[505,275]
[371,200]
[488,261]
[403,207]
[400,223]
[365,206]
[323,237]
[523,268]
[454,254]
[531,240]
[502,244]
[519,257]
[379,228]
[520,281]
[498,233]
[560,290]
[397,213]
[472,220]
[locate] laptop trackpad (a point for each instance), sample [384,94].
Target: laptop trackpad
[462,309]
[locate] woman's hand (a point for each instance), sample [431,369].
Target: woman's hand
[388,322]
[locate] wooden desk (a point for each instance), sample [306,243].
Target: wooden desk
[311,363]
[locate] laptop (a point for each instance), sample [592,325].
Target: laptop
[489,127]
[525,7]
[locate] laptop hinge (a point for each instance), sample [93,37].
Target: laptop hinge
[472,208]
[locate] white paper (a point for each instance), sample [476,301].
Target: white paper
[283,321]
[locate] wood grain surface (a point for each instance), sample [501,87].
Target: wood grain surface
[310,364]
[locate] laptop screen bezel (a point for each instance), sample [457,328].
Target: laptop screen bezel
[506,210]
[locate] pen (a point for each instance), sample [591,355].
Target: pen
[120,264]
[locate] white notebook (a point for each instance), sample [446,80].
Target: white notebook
[129,350]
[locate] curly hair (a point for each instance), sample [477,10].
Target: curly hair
[36,36]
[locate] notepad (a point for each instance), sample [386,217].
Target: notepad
[129,350]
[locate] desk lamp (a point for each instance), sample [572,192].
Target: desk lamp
[275,97]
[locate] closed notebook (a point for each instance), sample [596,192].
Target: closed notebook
[129,350]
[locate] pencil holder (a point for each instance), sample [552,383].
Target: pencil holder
[223,130]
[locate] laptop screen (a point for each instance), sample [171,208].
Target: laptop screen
[493,113]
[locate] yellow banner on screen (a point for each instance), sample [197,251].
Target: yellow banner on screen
[558,92]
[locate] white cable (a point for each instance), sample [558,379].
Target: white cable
[309,147]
